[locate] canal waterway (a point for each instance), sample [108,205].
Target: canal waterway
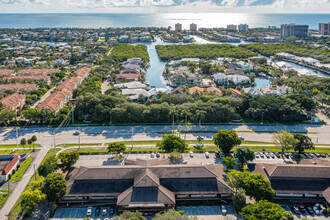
[154,74]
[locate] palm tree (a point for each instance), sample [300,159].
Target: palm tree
[173,112]
[185,113]
[200,115]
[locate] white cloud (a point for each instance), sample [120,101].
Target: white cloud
[23,2]
[167,5]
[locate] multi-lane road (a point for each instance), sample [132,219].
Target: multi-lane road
[319,134]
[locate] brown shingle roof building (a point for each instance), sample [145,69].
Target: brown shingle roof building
[302,181]
[146,186]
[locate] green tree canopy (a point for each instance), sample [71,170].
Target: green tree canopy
[264,210]
[6,114]
[226,140]
[30,199]
[67,160]
[244,155]
[171,215]
[239,200]
[54,187]
[255,185]
[303,100]
[33,196]
[48,167]
[116,147]
[285,140]
[303,142]
[171,143]
[128,215]
[229,163]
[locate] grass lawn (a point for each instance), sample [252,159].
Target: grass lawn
[16,211]
[257,132]
[73,145]
[19,146]
[20,172]
[4,194]
[5,151]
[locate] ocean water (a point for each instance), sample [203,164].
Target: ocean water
[157,20]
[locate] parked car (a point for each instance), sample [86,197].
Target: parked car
[301,208]
[104,211]
[287,155]
[89,211]
[309,209]
[152,155]
[261,155]
[207,155]
[272,155]
[256,154]
[267,155]
[111,211]
[97,211]
[191,154]
[317,155]
[323,155]
[240,137]
[76,133]
[291,155]
[217,154]
[277,154]
[223,210]
[295,209]
[158,155]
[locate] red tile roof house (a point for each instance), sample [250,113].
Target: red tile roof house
[82,72]
[34,72]
[127,77]
[69,84]
[8,164]
[13,101]
[55,101]
[6,72]
[236,93]
[34,77]
[18,87]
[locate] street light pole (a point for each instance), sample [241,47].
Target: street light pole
[132,138]
[79,137]
[35,174]
[55,144]
[16,138]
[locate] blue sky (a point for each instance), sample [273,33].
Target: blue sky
[116,6]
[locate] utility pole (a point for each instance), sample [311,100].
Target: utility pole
[16,138]
[79,138]
[35,174]
[55,144]
[72,109]
[132,138]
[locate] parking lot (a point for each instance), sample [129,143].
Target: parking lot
[80,213]
[208,212]
[305,214]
